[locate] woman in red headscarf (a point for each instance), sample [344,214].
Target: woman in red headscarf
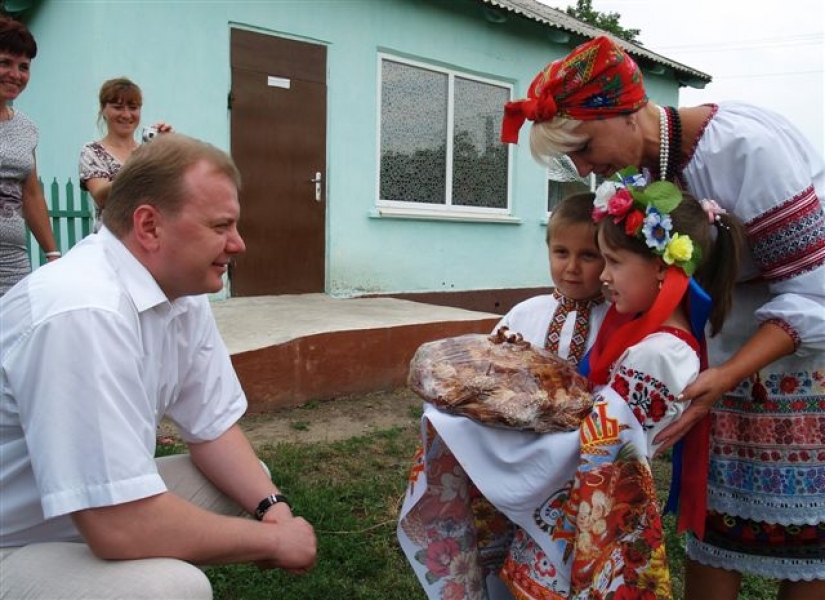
[765,388]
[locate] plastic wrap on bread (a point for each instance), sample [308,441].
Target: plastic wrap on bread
[501,380]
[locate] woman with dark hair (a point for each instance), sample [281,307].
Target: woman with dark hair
[761,404]
[120,106]
[21,199]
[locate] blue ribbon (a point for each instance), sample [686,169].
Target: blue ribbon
[699,305]
[584,365]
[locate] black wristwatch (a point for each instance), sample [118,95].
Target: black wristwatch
[268,503]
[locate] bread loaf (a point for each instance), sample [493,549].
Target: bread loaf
[501,380]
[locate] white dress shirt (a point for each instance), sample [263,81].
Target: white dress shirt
[93,356]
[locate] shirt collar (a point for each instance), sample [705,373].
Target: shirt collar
[136,279]
[576,305]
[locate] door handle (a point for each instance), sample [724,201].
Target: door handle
[317,181]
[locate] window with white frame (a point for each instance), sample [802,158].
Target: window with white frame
[439,141]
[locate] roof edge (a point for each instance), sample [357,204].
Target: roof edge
[559,20]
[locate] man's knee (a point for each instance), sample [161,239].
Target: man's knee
[71,572]
[170,578]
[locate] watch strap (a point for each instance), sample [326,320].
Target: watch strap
[268,502]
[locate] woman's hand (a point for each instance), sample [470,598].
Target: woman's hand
[769,343]
[710,385]
[36,215]
[163,127]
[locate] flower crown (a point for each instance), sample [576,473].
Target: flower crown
[645,210]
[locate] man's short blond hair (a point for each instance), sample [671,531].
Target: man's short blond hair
[154,175]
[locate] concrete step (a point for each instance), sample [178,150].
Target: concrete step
[292,349]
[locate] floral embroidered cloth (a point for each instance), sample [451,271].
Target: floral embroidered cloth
[562,515]
[599,530]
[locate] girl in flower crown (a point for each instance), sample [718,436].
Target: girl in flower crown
[587,522]
[670,266]
[662,250]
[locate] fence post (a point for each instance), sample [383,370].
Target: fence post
[54,205]
[65,222]
[88,210]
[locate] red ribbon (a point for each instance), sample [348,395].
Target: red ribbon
[693,498]
[620,332]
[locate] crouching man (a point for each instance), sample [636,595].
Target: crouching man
[95,350]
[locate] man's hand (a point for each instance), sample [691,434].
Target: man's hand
[279,513]
[297,546]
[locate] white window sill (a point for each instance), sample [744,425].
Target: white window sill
[388,212]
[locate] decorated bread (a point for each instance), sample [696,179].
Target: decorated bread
[501,380]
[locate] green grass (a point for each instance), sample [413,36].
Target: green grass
[351,492]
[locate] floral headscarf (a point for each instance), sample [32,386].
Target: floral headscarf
[596,80]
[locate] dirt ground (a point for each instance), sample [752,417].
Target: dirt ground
[330,420]
[335,419]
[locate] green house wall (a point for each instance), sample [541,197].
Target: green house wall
[178,52]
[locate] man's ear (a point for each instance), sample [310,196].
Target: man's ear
[146,225]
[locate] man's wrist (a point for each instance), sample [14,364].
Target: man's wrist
[268,502]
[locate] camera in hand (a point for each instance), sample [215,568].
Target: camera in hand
[149,133]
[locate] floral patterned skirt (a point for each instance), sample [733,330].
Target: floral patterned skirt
[766,486]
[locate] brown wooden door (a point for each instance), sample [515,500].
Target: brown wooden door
[278,128]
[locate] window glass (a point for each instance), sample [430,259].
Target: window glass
[413,134]
[563,180]
[556,190]
[479,158]
[440,138]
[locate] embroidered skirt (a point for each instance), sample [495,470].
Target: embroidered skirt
[766,486]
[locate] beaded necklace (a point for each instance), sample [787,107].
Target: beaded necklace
[670,142]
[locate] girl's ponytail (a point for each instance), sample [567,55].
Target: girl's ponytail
[720,268]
